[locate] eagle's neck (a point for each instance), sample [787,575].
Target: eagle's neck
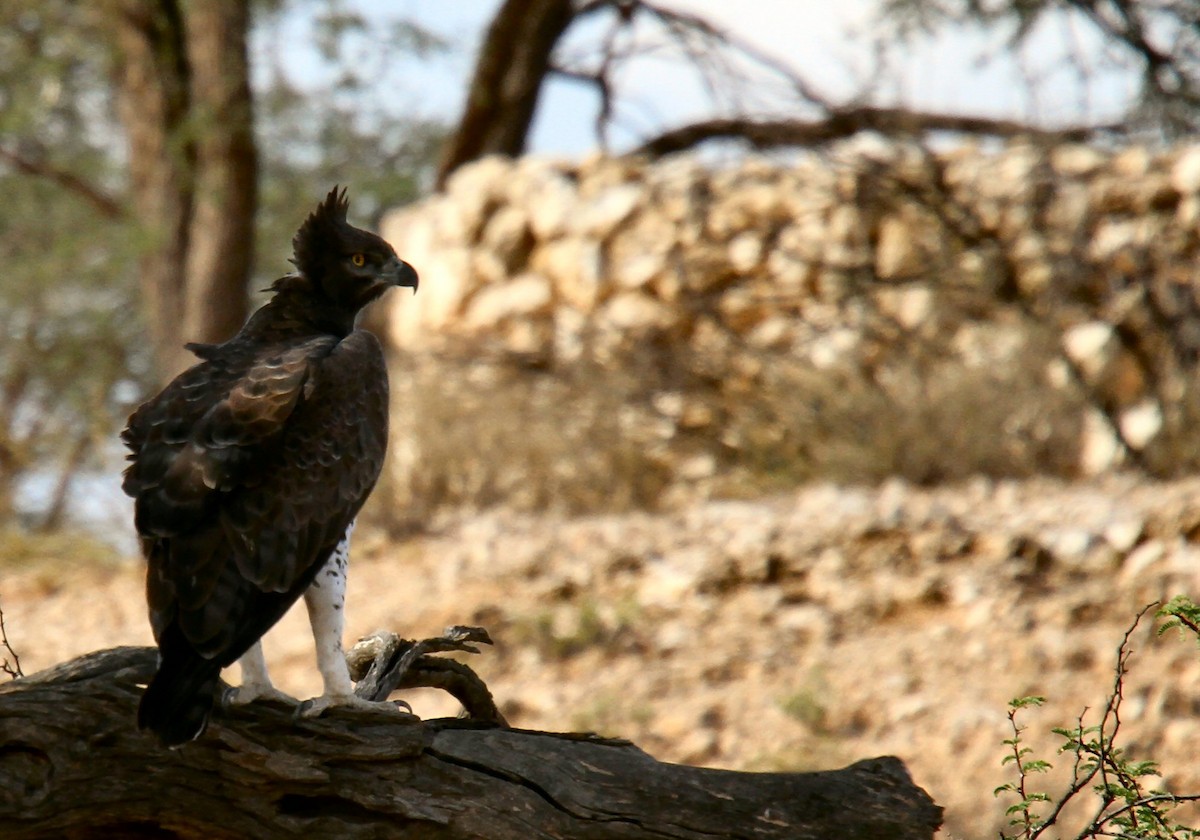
[299,309]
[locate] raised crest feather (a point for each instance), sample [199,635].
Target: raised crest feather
[321,227]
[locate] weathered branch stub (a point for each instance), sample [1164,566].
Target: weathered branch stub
[72,764]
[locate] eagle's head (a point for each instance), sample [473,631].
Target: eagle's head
[350,265]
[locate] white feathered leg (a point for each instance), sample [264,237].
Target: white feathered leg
[325,600]
[256,682]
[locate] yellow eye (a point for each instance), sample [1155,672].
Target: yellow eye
[359,260]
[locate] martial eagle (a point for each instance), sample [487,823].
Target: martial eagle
[249,469]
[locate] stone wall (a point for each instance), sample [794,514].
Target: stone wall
[878,309]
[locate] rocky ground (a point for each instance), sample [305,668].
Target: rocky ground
[800,632]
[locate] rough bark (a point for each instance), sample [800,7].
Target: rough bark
[513,61]
[72,764]
[184,99]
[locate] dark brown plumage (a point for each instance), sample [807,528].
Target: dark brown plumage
[248,468]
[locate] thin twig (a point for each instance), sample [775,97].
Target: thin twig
[1078,783]
[1103,752]
[13,668]
[107,206]
[681,22]
[1104,760]
[1154,799]
[1022,776]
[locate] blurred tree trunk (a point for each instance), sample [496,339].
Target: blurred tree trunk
[56,512]
[513,61]
[182,77]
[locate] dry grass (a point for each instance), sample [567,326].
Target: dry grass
[588,438]
[494,434]
[53,551]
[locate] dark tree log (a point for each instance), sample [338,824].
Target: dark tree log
[73,765]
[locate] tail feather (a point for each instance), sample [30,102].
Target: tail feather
[179,699]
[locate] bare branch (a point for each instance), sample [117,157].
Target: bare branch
[683,22]
[383,662]
[599,79]
[105,204]
[840,124]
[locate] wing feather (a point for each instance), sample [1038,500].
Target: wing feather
[207,430]
[329,461]
[239,514]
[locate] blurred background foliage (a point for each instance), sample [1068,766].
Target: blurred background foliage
[70,331]
[76,352]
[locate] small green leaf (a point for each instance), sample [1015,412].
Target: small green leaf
[1023,702]
[1142,768]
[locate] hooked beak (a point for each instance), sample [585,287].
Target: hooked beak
[401,273]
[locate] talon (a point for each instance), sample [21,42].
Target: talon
[243,694]
[317,706]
